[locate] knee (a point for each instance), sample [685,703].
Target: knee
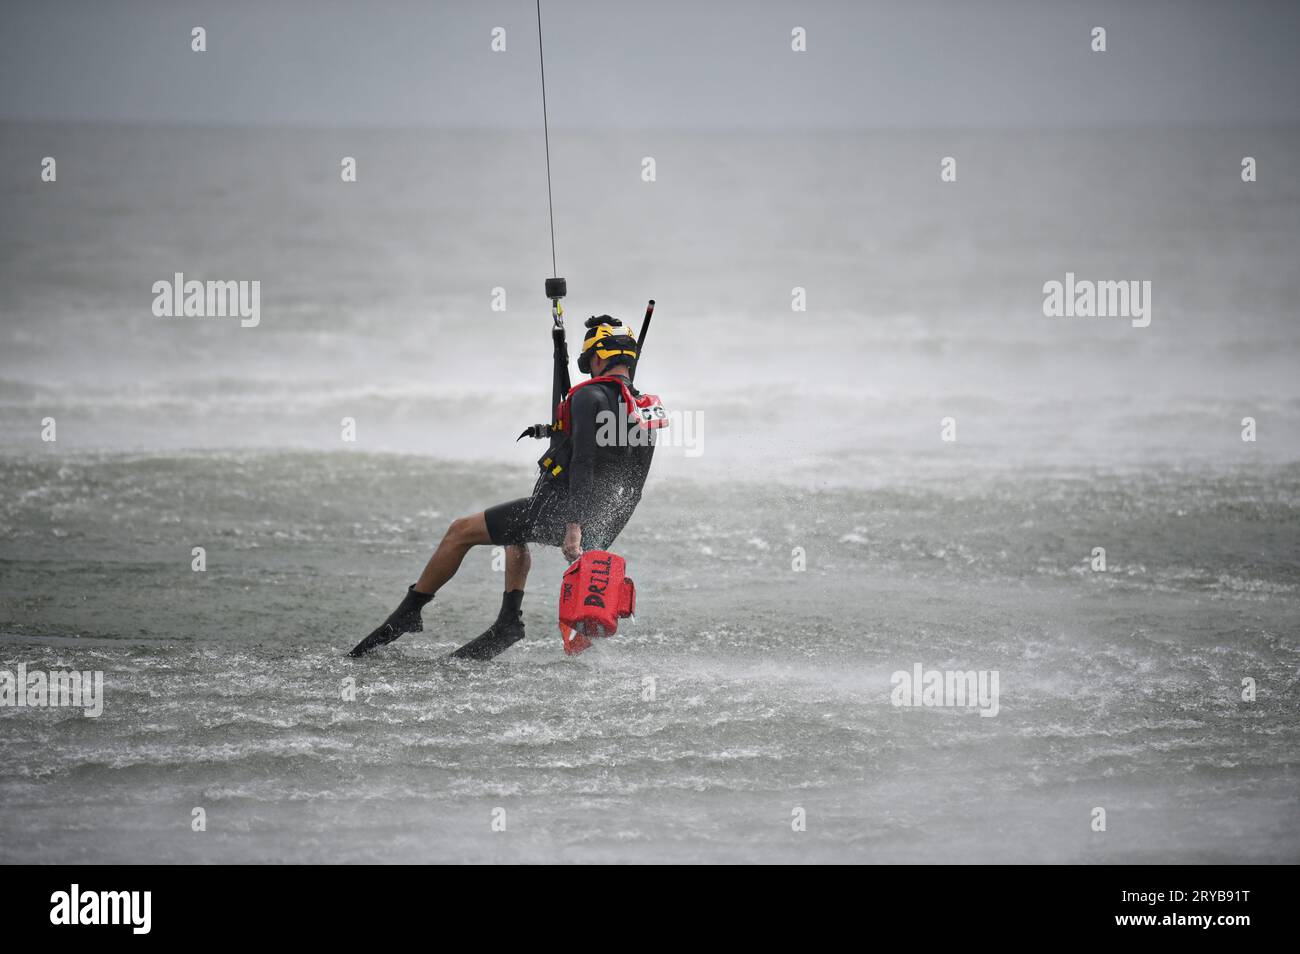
[461,531]
[517,553]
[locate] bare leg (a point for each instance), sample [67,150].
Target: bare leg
[464,533]
[518,563]
[509,627]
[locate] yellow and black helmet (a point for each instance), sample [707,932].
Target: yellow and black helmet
[607,338]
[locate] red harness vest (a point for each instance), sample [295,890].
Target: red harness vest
[646,410]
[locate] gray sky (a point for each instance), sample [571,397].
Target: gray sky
[699,64]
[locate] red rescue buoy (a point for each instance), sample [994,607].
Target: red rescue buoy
[595,593]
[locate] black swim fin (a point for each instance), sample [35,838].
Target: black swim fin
[501,635]
[404,619]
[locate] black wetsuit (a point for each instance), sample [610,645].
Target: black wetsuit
[598,488]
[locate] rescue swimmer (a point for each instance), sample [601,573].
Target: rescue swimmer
[589,484]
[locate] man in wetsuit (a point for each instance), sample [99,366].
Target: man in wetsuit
[590,483]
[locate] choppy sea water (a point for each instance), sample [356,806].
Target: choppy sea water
[1119,689]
